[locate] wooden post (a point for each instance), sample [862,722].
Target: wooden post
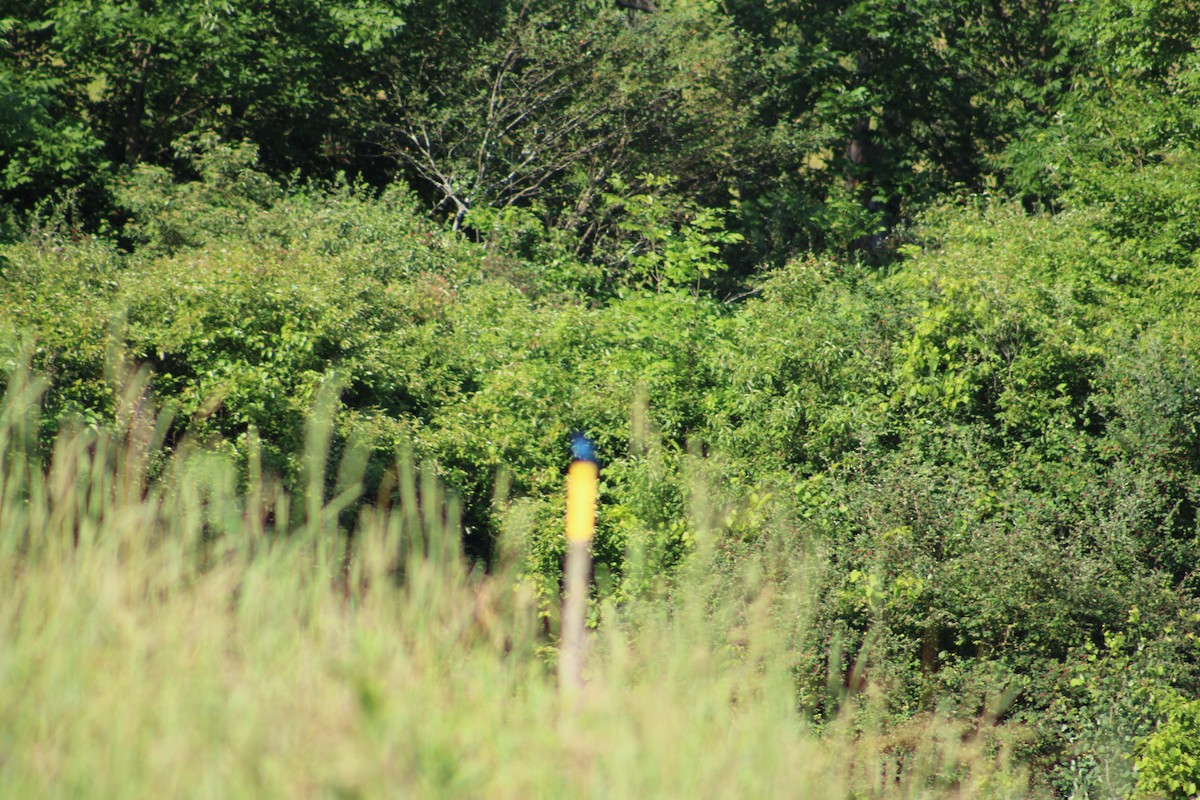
[582,480]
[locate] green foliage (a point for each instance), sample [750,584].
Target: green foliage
[524,251]
[965,416]
[241,311]
[89,85]
[58,298]
[665,241]
[877,108]
[1168,760]
[904,293]
[1106,704]
[43,142]
[536,98]
[801,380]
[241,618]
[1128,106]
[39,141]
[168,215]
[1007,323]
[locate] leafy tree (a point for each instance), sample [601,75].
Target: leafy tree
[292,76]
[534,103]
[1168,760]
[662,240]
[545,106]
[887,106]
[1125,103]
[44,141]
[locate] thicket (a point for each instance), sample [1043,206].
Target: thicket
[911,290]
[186,633]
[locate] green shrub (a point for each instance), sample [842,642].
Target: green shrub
[1168,760]
[57,294]
[169,215]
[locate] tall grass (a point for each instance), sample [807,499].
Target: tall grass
[172,628]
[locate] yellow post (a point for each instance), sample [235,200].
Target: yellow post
[582,480]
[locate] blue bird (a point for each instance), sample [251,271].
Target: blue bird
[582,448]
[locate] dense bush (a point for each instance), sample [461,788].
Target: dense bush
[993,440]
